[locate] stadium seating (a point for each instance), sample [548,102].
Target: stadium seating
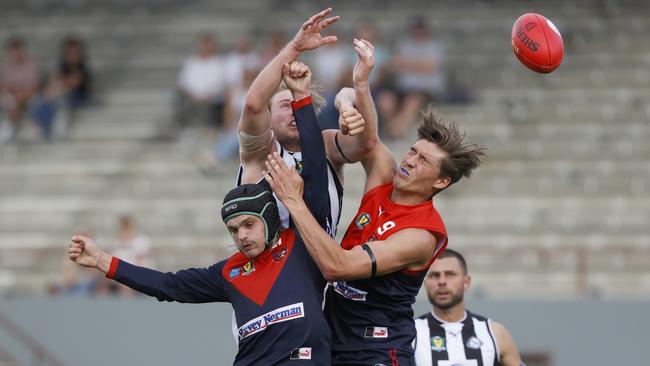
[560,209]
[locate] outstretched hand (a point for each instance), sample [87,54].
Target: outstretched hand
[297,77]
[366,52]
[309,36]
[285,182]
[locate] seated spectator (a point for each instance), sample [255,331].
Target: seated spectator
[202,87]
[46,104]
[419,79]
[20,78]
[75,72]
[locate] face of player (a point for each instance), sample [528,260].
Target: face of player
[283,122]
[419,170]
[248,233]
[446,283]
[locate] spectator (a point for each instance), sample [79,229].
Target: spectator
[131,246]
[240,60]
[46,104]
[74,281]
[226,146]
[20,77]
[419,78]
[202,87]
[75,72]
[332,66]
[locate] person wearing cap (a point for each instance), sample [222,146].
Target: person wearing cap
[274,287]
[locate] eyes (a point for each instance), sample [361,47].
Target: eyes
[448,274]
[248,224]
[421,158]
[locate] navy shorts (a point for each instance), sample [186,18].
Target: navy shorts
[388,357]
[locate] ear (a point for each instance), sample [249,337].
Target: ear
[442,183]
[467,282]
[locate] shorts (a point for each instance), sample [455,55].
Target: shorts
[379,357]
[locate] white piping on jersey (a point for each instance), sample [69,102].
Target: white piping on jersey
[446,322]
[495,339]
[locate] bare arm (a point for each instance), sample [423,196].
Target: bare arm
[255,120]
[353,147]
[410,248]
[508,353]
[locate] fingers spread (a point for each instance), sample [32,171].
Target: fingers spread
[329,21]
[321,15]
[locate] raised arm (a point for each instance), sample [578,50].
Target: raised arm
[195,285]
[351,147]
[297,77]
[256,139]
[377,160]
[409,248]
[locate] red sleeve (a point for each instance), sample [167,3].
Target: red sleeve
[301,103]
[113,268]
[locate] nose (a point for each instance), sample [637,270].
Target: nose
[242,234]
[410,160]
[442,281]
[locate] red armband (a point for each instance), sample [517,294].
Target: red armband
[113,268]
[301,103]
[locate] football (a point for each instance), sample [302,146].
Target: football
[537,43]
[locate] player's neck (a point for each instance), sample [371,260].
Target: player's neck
[292,148]
[407,198]
[452,315]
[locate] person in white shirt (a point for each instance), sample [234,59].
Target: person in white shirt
[202,86]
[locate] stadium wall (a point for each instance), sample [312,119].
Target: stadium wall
[142,332]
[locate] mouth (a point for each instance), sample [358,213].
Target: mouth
[443,293]
[404,172]
[293,124]
[248,246]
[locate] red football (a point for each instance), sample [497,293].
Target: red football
[537,43]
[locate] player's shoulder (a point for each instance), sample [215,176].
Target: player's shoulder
[479,317]
[423,316]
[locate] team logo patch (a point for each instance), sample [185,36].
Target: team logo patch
[474,343]
[303,353]
[362,220]
[245,270]
[348,292]
[376,332]
[283,314]
[438,344]
[279,254]
[299,166]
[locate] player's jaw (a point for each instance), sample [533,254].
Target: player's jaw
[445,298]
[250,248]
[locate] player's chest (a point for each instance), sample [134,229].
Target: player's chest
[374,224]
[255,278]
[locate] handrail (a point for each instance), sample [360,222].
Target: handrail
[39,353]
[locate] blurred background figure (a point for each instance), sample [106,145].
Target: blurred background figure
[202,89]
[20,78]
[131,246]
[75,72]
[419,76]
